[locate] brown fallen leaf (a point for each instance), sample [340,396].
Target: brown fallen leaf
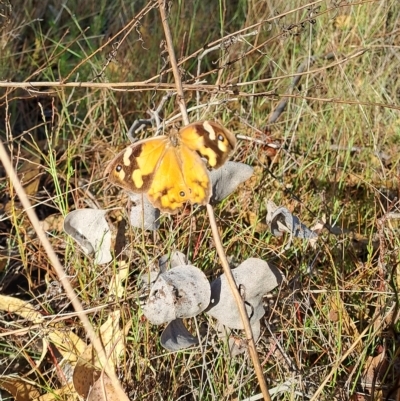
[65,393]
[254,220]
[103,390]
[19,388]
[68,344]
[89,367]
[374,371]
[85,372]
[53,222]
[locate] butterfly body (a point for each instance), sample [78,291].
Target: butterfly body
[169,169]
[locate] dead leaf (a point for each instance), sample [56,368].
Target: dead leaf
[54,222]
[281,220]
[227,178]
[113,339]
[103,390]
[143,214]
[175,259]
[29,174]
[255,277]
[254,220]
[89,366]
[176,337]
[374,371]
[85,372]
[21,308]
[68,344]
[20,389]
[116,287]
[65,393]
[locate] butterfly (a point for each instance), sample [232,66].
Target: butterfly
[169,169]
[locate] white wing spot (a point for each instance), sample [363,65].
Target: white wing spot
[127,155]
[211,133]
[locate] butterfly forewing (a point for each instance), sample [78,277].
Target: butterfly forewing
[211,140]
[134,167]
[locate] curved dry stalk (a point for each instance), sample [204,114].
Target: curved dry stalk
[31,86]
[210,210]
[240,304]
[5,159]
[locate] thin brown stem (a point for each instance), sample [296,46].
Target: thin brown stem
[5,159]
[239,301]
[213,223]
[174,64]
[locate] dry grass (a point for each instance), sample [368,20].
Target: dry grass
[338,164]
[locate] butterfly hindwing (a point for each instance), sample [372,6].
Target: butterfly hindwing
[181,177]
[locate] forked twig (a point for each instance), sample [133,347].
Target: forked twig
[5,159]
[213,224]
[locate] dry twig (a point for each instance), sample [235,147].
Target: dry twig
[210,210]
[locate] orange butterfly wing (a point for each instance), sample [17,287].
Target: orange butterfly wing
[170,170]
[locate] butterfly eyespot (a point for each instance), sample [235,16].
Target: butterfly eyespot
[182,194]
[221,138]
[118,168]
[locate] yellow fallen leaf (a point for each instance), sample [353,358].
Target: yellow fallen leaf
[68,344]
[65,393]
[116,286]
[89,366]
[20,308]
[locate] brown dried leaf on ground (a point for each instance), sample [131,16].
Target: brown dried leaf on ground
[89,366]
[103,390]
[68,344]
[117,287]
[20,389]
[86,373]
[54,222]
[374,371]
[113,339]
[66,393]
